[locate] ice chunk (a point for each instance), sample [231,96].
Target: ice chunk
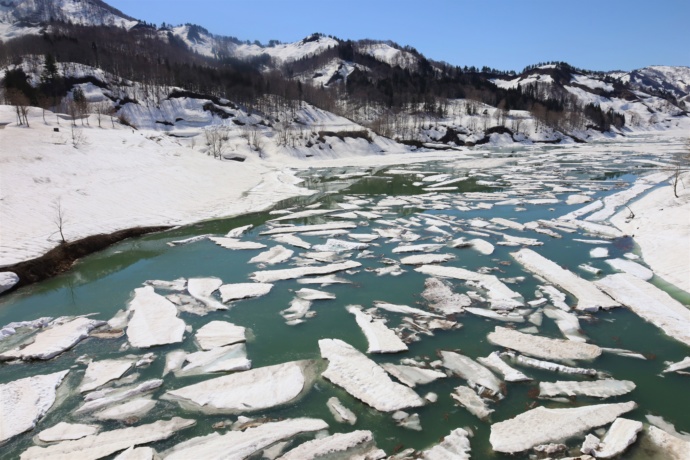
[364,379]
[547,365]
[242,444]
[543,347]
[649,302]
[542,425]
[589,297]
[310,228]
[239,231]
[441,297]
[482,246]
[380,338]
[67,432]
[7,281]
[108,442]
[498,316]
[55,339]
[219,334]
[633,268]
[470,401]
[423,259]
[335,245]
[292,240]
[275,255]
[566,322]
[98,373]
[455,446]
[235,244]
[621,435]
[269,276]
[599,253]
[202,289]
[109,396]
[496,364]
[25,401]
[404,309]
[221,359]
[501,297]
[137,407]
[237,291]
[313,294]
[356,444]
[657,444]
[412,375]
[679,366]
[477,376]
[154,321]
[248,391]
[596,388]
[341,413]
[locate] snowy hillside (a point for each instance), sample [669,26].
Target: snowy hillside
[673,80]
[283,53]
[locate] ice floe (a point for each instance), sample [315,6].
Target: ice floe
[98,373]
[238,291]
[341,413]
[596,388]
[423,259]
[357,444]
[311,228]
[202,289]
[364,379]
[67,431]
[543,347]
[547,365]
[61,335]
[269,276]
[412,375]
[25,401]
[633,268]
[477,376]
[381,339]
[542,425]
[496,364]
[110,396]
[221,359]
[621,435]
[440,297]
[108,442]
[154,321]
[242,444]
[219,334]
[275,255]
[248,391]
[649,302]
[501,297]
[455,446]
[7,281]
[292,240]
[135,408]
[589,297]
[235,244]
[468,399]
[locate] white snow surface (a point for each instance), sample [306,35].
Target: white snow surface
[23,402]
[364,379]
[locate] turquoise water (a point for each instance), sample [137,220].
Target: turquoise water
[103,283]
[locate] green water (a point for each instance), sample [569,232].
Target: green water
[103,283]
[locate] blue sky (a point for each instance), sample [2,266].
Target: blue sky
[504,34]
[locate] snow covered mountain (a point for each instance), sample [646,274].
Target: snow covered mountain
[392,90]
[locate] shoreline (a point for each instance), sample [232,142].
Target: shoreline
[63,257]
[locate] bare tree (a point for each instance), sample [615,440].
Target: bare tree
[21,105]
[682,159]
[59,219]
[78,137]
[216,139]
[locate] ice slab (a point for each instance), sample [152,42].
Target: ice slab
[110,396]
[548,365]
[275,255]
[108,442]
[632,268]
[543,347]
[7,281]
[292,240]
[496,364]
[269,276]
[364,379]
[67,431]
[619,437]
[25,401]
[477,376]
[55,339]
[154,321]
[235,244]
[221,359]
[468,399]
[381,339]
[238,291]
[542,425]
[501,297]
[311,228]
[98,373]
[137,407]
[441,297]
[596,388]
[589,297]
[219,334]
[242,444]
[202,289]
[412,375]
[355,444]
[649,302]
[455,446]
[404,309]
[679,366]
[248,391]
[337,246]
[341,413]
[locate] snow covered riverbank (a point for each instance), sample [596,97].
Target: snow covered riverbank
[119,178]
